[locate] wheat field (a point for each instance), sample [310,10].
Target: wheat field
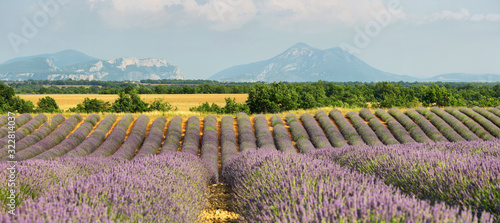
[182,101]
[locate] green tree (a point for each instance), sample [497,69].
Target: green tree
[47,104]
[264,98]
[129,103]
[159,105]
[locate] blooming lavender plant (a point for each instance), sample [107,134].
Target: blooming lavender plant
[431,173]
[73,140]
[331,131]
[470,123]
[363,129]
[299,134]
[3,120]
[210,146]
[246,135]
[396,128]
[114,139]
[263,134]
[380,130]
[153,141]
[25,129]
[166,188]
[191,140]
[228,142]
[426,126]
[414,130]
[299,188]
[346,128]
[459,127]
[52,140]
[487,114]
[20,120]
[495,111]
[173,137]
[318,137]
[441,125]
[95,139]
[276,120]
[134,139]
[487,124]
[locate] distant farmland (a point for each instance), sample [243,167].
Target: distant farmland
[182,101]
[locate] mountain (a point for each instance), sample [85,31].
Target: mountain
[461,77]
[70,64]
[302,63]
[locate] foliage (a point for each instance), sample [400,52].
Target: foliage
[232,107]
[47,104]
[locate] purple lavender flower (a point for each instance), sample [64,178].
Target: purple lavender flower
[173,137]
[346,128]
[153,141]
[299,134]
[331,131]
[363,129]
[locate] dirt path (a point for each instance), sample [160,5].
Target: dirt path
[219,205]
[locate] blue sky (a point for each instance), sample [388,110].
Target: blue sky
[418,38]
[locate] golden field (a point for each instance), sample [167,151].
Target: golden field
[182,101]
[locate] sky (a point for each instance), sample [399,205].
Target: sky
[418,38]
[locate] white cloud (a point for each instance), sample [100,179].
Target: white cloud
[460,15]
[227,14]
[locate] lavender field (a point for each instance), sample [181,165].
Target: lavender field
[416,165]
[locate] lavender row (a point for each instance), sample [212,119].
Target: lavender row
[396,128]
[263,134]
[318,137]
[459,127]
[299,134]
[173,136]
[134,139]
[191,140]
[228,142]
[291,188]
[77,137]
[246,135]
[282,136]
[495,111]
[153,141]
[470,123]
[426,126]
[20,120]
[380,130]
[25,129]
[3,120]
[276,120]
[441,125]
[489,115]
[331,131]
[95,139]
[414,130]
[346,128]
[210,146]
[115,138]
[459,179]
[103,190]
[52,140]
[363,129]
[484,122]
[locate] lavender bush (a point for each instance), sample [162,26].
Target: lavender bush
[489,115]
[246,135]
[451,176]
[487,124]
[52,140]
[331,131]
[95,139]
[228,142]
[103,190]
[380,130]
[299,134]
[346,128]
[115,138]
[276,120]
[3,120]
[210,146]
[318,137]
[426,126]
[191,140]
[396,128]
[20,120]
[134,140]
[153,141]
[441,125]
[363,129]
[470,123]
[495,111]
[298,188]
[459,127]
[73,140]
[25,129]
[414,130]
[173,137]
[263,134]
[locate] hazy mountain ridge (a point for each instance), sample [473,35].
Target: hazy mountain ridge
[76,65]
